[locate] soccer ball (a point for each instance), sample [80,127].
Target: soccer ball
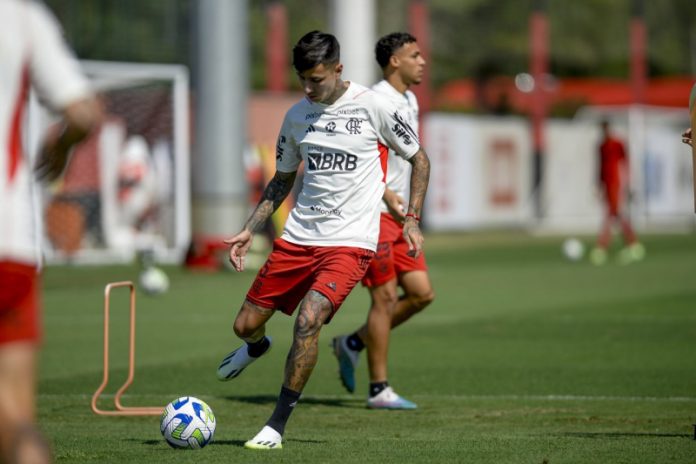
[573,249]
[188,422]
[154,281]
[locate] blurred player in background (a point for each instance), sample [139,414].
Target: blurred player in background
[32,52]
[341,131]
[402,66]
[614,184]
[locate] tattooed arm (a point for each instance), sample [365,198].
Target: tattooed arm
[276,191]
[420,174]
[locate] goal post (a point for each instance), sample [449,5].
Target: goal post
[127,187]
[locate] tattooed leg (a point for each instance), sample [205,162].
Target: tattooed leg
[314,310]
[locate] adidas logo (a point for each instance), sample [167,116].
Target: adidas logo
[310,128]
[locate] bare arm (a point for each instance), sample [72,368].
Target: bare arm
[79,118]
[420,174]
[396,205]
[273,196]
[275,193]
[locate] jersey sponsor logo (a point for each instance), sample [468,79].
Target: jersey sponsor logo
[279,148]
[327,212]
[331,161]
[403,130]
[309,116]
[353,126]
[330,128]
[352,111]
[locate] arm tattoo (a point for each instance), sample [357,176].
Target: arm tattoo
[419,181]
[276,191]
[303,355]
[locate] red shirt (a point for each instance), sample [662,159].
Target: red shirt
[612,155]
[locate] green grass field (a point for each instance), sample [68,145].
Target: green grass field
[523,358]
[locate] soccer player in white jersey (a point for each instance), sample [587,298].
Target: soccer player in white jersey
[402,66]
[32,52]
[342,132]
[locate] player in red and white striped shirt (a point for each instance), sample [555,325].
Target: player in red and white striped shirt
[342,132]
[32,52]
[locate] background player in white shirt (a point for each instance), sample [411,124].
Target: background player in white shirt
[32,52]
[402,66]
[342,132]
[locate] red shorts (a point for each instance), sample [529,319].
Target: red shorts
[391,258]
[292,270]
[19,302]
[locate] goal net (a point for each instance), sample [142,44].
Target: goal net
[126,189]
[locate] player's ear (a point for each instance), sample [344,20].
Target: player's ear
[394,61]
[338,69]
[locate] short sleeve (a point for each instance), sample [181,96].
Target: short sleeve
[394,129]
[288,156]
[55,71]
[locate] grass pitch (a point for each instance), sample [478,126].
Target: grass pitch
[523,358]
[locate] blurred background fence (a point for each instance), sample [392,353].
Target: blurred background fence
[510,104]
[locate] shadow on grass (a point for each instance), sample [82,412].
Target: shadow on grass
[271,399]
[624,434]
[238,443]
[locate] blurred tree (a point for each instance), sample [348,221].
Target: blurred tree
[471,38]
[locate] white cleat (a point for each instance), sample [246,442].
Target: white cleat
[235,362]
[388,399]
[266,439]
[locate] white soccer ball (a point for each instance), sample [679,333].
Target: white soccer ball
[573,249]
[188,422]
[154,281]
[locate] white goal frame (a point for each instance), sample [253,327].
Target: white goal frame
[112,75]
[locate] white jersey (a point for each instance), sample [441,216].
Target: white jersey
[32,52]
[399,171]
[344,147]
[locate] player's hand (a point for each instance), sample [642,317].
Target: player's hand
[396,205]
[239,246]
[687,138]
[53,157]
[413,236]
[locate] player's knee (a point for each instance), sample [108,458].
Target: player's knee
[420,300]
[308,324]
[242,329]
[384,298]
[311,318]
[243,326]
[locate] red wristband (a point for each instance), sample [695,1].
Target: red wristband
[417,218]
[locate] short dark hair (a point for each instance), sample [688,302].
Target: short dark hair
[387,45]
[315,48]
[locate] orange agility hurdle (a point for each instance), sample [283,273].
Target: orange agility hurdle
[120,409]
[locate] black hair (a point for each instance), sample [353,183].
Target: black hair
[315,48]
[390,43]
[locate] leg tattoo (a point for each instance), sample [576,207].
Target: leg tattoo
[314,310]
